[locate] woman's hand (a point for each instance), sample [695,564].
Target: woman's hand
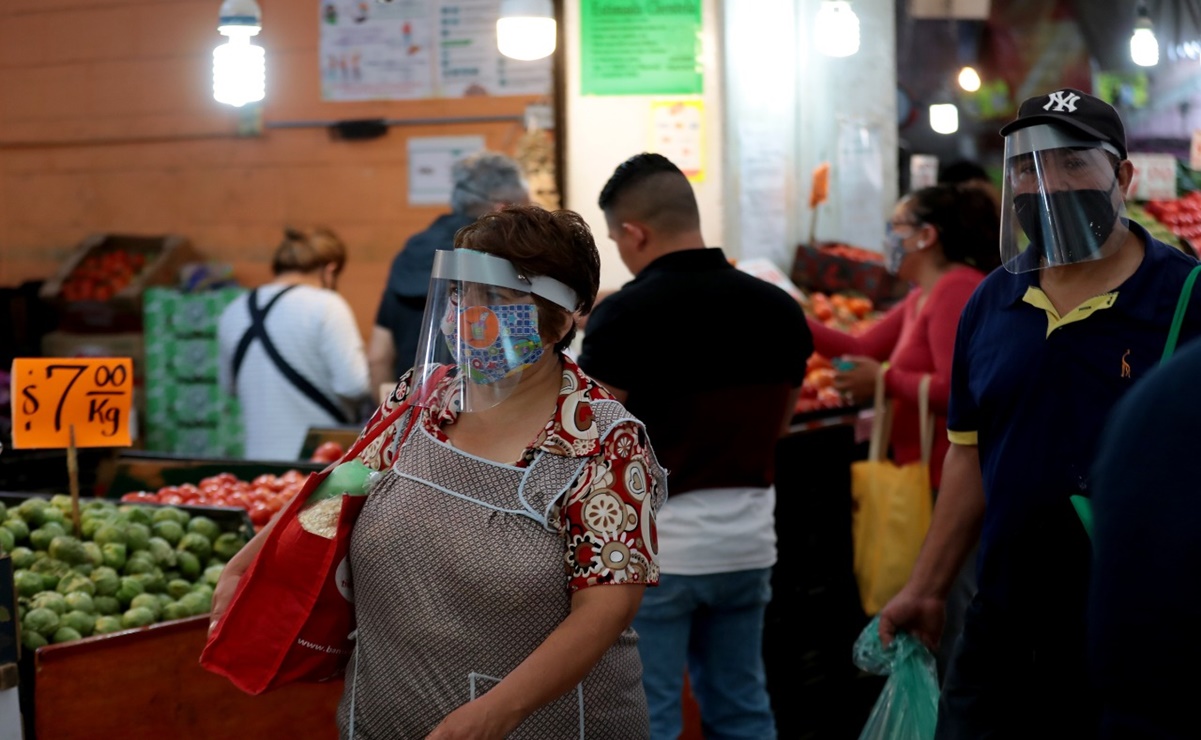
[858,381]
[231,575]
[233,571]
[475,720]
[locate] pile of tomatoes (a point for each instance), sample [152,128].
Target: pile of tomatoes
[261,497]
[848,312]
[102,275]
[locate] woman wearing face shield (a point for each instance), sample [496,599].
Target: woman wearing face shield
[943,240]
[502,553]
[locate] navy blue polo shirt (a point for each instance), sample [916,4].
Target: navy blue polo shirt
[1033,390]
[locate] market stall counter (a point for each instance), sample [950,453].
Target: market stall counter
[815,614]
[114,615]
[148,683]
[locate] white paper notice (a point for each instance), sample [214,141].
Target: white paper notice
[376,51]
[409,49]
[1154,176]
[765,269]
[430,160]
[676,133]
[860,171]
[923,171]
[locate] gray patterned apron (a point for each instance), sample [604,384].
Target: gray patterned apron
[457,579]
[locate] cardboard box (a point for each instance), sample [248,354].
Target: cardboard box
[171,313]
[121,344]
[172,359]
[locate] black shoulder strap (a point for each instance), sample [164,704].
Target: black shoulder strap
[256,325]
[258,330]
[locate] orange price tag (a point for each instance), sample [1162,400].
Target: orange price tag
[52,394]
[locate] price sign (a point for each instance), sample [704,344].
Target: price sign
[50,395]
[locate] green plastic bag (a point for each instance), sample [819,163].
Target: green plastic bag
[908,705]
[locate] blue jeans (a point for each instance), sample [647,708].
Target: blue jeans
[713,626]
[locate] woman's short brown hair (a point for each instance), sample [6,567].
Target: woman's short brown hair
[557,244]
[308,250]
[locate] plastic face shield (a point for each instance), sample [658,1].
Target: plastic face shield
[1061,200]
[481,319]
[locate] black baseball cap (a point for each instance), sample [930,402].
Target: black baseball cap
[1075,110]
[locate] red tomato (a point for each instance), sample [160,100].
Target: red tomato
[139,497]
[327,452]
[170,498]
[264,480]
[237,498]
[260,514]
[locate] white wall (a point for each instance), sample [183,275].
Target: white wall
[773,109]
[602,131]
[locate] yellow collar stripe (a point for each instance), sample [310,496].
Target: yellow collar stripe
[1037,298]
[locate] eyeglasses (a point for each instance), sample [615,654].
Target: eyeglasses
[891,226]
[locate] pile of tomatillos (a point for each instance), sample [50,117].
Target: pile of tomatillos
[134,565]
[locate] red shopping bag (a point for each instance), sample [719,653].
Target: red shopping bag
[291,616]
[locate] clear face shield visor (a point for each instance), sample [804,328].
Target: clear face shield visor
[1061,202]
[481,328]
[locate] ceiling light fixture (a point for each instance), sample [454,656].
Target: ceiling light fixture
[526,29]
[969,79]
[239,67]
[1144,48]
[944,118]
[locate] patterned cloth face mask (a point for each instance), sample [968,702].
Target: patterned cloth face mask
[491,343]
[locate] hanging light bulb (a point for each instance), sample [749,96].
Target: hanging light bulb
[526,29]
[944,118]
[969,79]
[836,29]
[239,67]
[1144,48]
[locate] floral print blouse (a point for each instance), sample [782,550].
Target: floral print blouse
[607,516]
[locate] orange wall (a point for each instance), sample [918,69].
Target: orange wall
[107,124]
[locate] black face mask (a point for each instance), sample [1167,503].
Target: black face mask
[1084,221]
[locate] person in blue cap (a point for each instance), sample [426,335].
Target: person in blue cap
[1045,348]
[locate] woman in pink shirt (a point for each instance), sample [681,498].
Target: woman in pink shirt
[943,240]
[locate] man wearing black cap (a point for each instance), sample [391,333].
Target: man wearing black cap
[1045,348]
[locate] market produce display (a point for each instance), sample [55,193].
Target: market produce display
[261,497]
[1171,220]
[134,565]
[849,312]
[102,275]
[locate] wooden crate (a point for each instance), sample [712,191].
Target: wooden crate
[165,255]
[148,683]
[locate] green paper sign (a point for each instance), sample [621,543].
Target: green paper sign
[640,47]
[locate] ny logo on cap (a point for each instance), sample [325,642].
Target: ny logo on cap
[1063,101]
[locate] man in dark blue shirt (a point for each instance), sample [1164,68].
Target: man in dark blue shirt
[483,182]
[1045,348]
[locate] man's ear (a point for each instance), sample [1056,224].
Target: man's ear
[636,231]
[1125,176]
